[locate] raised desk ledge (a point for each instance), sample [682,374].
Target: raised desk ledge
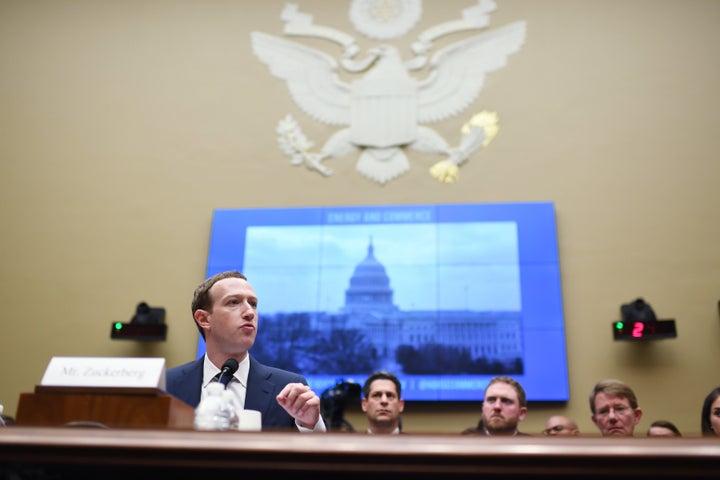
[79,452]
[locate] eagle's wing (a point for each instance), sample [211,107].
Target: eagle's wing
[311,77]
[458,71]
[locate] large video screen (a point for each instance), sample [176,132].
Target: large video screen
[444,296]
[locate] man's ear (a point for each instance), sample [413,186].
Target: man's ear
[363,404]
[201,318]
[638,415]
[523,412]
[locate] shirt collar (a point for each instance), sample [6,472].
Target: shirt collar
[394,432]
[210,371]
[485,431]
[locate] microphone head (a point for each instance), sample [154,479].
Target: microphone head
[230,366]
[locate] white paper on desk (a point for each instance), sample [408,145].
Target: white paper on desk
[125,372]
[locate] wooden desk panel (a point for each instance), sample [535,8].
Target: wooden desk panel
[113,407]
[86,453]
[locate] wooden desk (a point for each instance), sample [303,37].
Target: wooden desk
[79,453]
[113,407]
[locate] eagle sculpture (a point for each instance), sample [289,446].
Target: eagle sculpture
[385,109]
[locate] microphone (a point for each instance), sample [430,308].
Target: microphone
[228,369]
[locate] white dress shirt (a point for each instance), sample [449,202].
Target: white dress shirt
[238,385]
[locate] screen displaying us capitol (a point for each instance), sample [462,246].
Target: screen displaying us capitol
[444,296]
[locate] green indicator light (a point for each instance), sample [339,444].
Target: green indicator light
[618,325]
[118,326]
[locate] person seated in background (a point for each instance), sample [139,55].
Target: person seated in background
[710,417]
[663,428]
[224,308]
[614,408]
[560,425]
[504,406]
[382,403]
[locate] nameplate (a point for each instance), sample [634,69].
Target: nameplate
[126,372]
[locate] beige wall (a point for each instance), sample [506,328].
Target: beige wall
[123,124]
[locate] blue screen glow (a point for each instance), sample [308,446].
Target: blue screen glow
[444,296]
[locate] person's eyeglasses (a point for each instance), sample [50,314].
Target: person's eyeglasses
[556,429]
[620,410]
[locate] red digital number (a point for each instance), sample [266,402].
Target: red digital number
[638,328]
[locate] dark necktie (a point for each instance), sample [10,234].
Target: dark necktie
[224,379]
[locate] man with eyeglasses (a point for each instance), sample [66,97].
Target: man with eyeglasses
[614,408]
[559,425]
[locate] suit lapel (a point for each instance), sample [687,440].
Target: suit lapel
[259,388]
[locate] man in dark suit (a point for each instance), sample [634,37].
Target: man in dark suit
[224,308]
[382,403]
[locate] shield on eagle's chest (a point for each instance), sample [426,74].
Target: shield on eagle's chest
[384,108]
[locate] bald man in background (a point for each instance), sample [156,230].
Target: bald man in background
[560,425]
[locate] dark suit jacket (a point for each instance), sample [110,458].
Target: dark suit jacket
[263,385]
[480,430]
